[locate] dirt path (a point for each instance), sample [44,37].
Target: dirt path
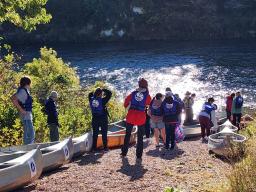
[189,167]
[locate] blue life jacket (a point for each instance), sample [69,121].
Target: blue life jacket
[239,102]
[208,108]
[28,105]
[156,111]
[170,109]
[138,101]
[96,105]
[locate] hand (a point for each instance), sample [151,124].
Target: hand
[23,112]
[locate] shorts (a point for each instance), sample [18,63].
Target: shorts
[157,125]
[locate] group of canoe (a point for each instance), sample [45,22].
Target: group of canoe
[21,165]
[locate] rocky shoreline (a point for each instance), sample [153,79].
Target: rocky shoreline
[189,168]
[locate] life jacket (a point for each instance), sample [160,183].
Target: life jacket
[138,101]
[96,105]
[155,110]
[170,109]
[207,107]
[28,105]
[239,101]
[229,103]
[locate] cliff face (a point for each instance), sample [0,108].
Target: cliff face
[121,20]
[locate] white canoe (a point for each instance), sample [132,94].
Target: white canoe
[82,144]
[19,171]
[55,154]
[227,124]
[221,143]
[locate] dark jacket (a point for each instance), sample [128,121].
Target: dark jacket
[171,118]
[105,100]
[51,111]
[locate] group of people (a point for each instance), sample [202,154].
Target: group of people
[164,112]
[23,101]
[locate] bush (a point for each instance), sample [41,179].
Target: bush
[49,73]
[243,175]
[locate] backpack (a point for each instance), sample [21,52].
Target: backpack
[239,102]
[179,134]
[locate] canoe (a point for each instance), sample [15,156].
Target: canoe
[221,143]
[19,171]
[227,124]
[82,144]
[192,130]
[116,134]
[55,154]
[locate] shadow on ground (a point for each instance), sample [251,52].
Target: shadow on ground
[164,154]
[89,158]
[135,172]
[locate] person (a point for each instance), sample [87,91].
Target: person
[98,101]
[236,111]
[188,106]
[148,130]
[177,98]
[23,101]
[205,119]
[171,111]
[156,118]
[214,120]
[136,103]
[52,116]
[229,101]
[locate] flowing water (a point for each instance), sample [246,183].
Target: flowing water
[204,68]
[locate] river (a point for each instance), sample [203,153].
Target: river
[205,68]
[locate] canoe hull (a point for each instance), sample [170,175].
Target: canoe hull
[25,169]
[116,137]
[55,154]
[82,144]
[221,146]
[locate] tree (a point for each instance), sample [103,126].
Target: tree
[26,14]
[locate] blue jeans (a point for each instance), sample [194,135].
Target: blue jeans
[29,133]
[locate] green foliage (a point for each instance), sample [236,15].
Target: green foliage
[171,189]
[26,14]
[243,175]
[49,73]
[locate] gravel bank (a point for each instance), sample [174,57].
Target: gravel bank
[189,167]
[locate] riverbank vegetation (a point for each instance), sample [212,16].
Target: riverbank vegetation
[243,175]
[49,72]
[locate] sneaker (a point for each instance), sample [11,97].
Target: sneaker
[157,145]
[122,155]
[106,150]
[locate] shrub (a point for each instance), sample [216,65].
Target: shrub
[49,73]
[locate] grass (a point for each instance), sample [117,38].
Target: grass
[242,178]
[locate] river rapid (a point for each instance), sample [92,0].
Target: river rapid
[205,68]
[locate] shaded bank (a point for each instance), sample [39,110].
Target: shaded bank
[100,20]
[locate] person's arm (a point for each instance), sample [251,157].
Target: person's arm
[233,106]
[16,104]
[148,100]
[108,95]
[90,96]
[127,100]
[179,109]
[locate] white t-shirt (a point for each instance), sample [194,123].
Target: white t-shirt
[22,97]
